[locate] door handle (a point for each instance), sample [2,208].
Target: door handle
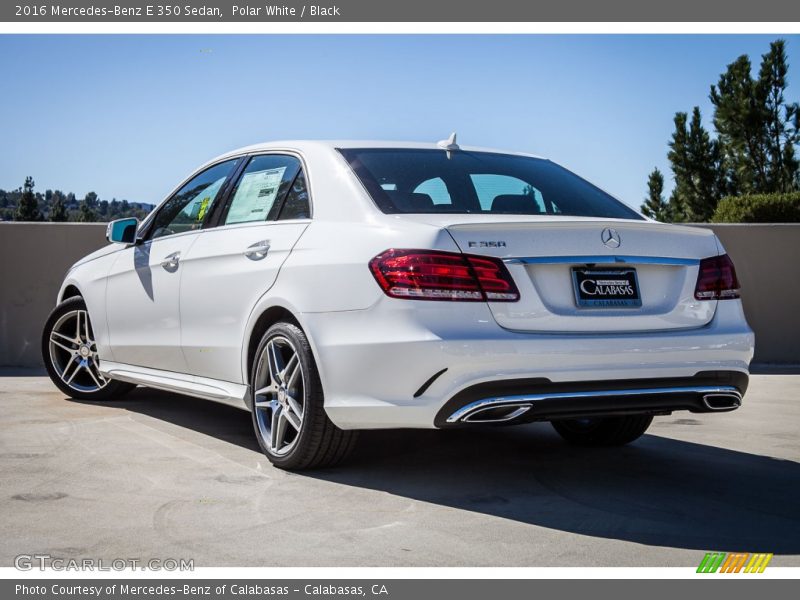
[170,262]
[258,250]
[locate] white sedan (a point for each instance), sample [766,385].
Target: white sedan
[337,286]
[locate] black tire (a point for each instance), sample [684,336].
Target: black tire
[318,442]
[60,359]
[607,431]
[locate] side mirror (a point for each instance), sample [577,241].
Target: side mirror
[122,231]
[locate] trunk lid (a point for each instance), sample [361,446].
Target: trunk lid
[542,251]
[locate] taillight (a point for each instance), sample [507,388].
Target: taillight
[436,275]
[717,279]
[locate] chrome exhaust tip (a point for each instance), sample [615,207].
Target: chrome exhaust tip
[496,414]
[598,403]
[722,401]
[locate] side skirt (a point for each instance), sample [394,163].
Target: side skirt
[233,394]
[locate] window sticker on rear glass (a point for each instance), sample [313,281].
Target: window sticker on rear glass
[255,195]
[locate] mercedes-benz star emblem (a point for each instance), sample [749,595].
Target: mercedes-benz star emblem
[610,238]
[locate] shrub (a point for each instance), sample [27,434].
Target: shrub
[759,208]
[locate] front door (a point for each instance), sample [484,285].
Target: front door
[144,282]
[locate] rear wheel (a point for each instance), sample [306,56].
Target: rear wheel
[289,418]
[70,354]
[607,431]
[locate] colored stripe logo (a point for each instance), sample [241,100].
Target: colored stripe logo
[734,562]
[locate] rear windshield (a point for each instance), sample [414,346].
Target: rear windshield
[430,181]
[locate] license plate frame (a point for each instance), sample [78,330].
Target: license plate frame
[618,287]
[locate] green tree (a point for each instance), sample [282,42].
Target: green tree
[757,127]
[87,213]
[754,152]
[654,205]
[92,200]
[696,164]
[58,208]
[677,210]
[28,207]
[782,120]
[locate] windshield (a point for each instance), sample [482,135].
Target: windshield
[435,181]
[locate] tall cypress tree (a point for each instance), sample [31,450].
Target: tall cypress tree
[782,120]
[654,205]
[696,164]
[739,126]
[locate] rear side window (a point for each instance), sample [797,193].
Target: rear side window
[435,181]
[262,188]
[296,205]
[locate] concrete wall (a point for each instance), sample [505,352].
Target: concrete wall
[767,259]
[35,256]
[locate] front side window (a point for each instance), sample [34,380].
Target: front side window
[461,182]
[260,191]
[187,208]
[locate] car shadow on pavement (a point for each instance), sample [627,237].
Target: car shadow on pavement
[657,491]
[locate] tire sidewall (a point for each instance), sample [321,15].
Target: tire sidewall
[312,390]
[113,388]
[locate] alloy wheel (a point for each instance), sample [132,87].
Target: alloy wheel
[73,352]
[279,397]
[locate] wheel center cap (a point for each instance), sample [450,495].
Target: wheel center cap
[282,396]
[84,351]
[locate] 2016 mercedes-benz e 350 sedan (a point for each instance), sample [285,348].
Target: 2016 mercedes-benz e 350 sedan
[337,286]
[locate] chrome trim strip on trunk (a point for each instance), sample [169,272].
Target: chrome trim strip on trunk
[602,260]
[463,413]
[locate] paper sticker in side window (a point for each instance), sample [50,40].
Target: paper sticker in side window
[255,195]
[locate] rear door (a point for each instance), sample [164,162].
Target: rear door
[232,265]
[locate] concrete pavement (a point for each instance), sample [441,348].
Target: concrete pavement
[157,475]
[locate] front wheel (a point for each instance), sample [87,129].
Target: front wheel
[289,418]
[70,354]
[607,431]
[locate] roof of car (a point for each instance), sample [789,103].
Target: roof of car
[301,145]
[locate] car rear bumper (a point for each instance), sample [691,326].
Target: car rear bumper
[520,401]
[388,369]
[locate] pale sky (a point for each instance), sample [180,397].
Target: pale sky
[128,116]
